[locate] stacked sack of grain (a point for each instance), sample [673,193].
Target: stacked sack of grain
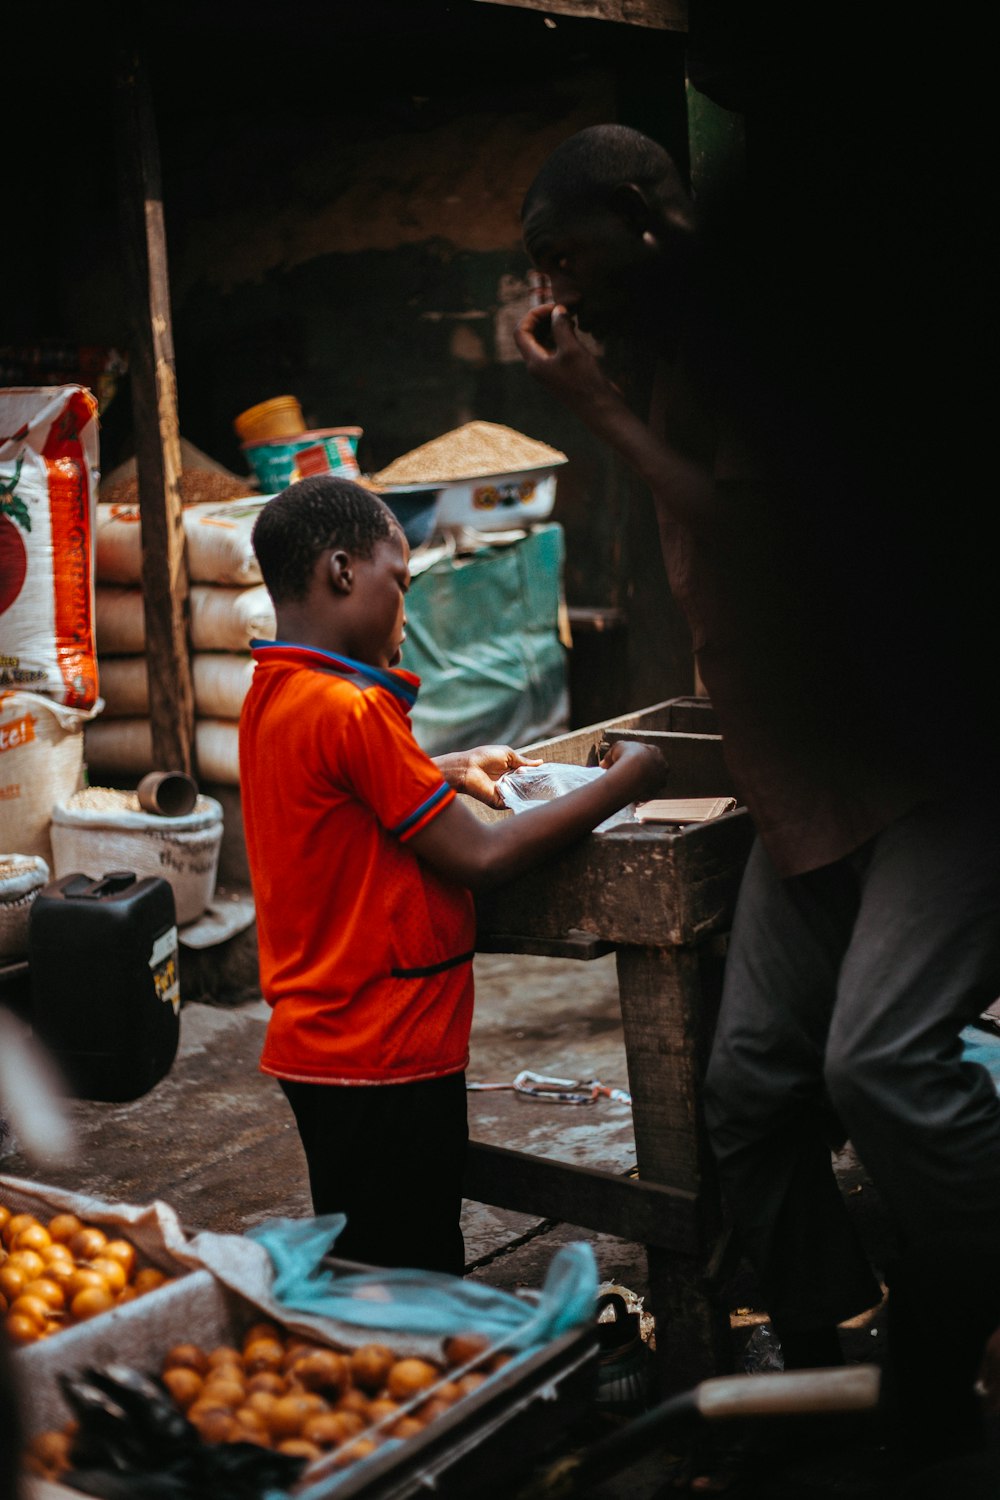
[48,662]
[229,608]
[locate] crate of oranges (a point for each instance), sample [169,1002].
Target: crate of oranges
[368,1419]
[59,1269]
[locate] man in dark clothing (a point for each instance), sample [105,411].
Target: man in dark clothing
[867,933]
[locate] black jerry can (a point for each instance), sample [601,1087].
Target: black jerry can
[105,992]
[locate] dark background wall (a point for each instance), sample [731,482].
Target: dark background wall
[342,186]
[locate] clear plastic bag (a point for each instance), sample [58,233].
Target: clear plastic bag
[526,787]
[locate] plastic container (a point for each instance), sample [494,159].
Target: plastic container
[95,830]
[105,995]
[325,450]
[499,502]
[416,511]
[280,417]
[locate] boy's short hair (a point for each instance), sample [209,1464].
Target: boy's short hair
[306,519]
[587,168]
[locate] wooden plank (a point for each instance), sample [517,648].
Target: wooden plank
[695,761]
[634,884]
[661,15]
[634,1210]
[573,749]
[154,410]
[692,716]
[669,999]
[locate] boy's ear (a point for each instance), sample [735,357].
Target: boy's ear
[632,205]
[341,572]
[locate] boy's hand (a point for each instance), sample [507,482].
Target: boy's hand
[477,771]
[642,764]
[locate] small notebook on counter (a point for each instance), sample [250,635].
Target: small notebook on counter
[683,809]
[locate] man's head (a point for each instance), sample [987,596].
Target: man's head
[608,220]
[336,564]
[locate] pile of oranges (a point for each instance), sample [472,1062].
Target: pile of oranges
[63,1271]
[302,1398]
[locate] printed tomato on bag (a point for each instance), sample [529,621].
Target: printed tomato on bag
[48,498]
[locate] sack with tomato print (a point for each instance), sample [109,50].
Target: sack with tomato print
[48,487]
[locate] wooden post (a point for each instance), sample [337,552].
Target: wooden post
[668,999]
[154,412]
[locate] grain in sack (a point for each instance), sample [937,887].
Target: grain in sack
[221,681]
[218,535]
[41,763]
[48,487]
[222,619]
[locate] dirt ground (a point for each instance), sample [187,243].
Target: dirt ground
[215,1140]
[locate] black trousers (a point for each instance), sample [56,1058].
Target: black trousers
[391,1157]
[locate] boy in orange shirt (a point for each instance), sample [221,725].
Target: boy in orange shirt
[363,863]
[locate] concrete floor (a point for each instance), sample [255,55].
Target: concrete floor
[216,1140]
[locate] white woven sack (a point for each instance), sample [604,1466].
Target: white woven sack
[222,619]
[48,484]
[124,747]
[218,745]
[219,547]
[184,851]
[41,763]
[221,682]
[22,876]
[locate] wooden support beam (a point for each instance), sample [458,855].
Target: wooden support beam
[644,1213]
[154,412]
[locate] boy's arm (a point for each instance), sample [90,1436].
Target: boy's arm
[476,772]
[478,855]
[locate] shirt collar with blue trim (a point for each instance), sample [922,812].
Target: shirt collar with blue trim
[396,680]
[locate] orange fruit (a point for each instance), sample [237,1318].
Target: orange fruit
[406,1427]
[322,1370]
[351,1452]
[288,1415]
[34,1237]
[353,1400]
[228,1393]
[381,1407]
[224,1354]
[14,1225]
[251,1423]
[262,1402]
[408,1376]
[57,1254]
[190,1355]
[21,1330]
[147,1280]
[88,1242]
[370,1366]
[30,1307]
[262,1354]
[299,1448]
[127,1294]
[469,1383]
[264,1330]
[82,1278]
[462,1347]
[52,1450]
[91,1301]
[4,1217]
[214,1424]
[183,1383]
[123,1252]
[48,1290]
[29,1260]
[331,1428]
[269,1381]
[12,1281]
[62,1227]
[112,1271]
[3,1303]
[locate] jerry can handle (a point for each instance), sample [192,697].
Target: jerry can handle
[108,885]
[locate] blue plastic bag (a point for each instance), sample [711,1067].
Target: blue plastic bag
[423,1302]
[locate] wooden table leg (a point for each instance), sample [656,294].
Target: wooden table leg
[669,999]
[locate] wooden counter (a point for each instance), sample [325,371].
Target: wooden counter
[663,900]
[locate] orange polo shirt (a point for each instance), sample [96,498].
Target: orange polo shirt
[365,952]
